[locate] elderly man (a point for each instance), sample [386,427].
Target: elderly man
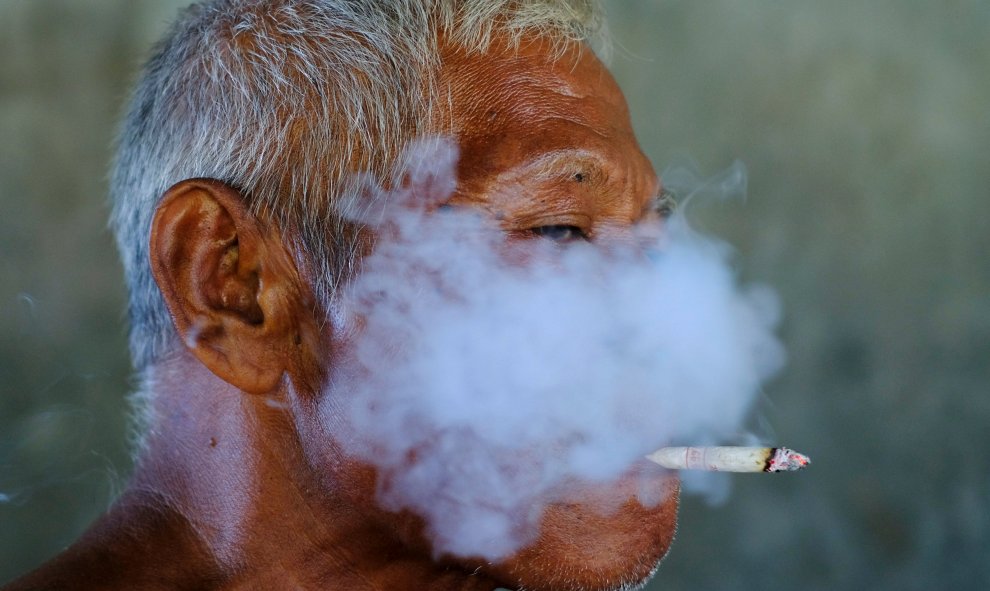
[250,125]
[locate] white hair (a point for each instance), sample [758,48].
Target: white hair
[285,100]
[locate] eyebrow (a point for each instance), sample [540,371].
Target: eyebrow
[551,166]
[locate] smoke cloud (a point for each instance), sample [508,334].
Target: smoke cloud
[491,374]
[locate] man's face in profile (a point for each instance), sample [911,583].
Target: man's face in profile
[546,152]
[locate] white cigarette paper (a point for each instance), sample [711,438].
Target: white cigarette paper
[730,459]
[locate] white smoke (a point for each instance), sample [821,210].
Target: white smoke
[494,374]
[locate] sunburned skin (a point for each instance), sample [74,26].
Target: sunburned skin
[545,144]
[550,144]
[242,486]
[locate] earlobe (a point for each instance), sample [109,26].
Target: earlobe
[218,269]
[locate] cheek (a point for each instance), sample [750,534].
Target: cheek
[597,543]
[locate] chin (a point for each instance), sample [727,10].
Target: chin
[582,547]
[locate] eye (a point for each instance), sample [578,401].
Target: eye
[664,204]
[560,233]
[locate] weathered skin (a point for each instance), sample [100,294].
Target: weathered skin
[241,487]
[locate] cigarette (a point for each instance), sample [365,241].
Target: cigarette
[730,459]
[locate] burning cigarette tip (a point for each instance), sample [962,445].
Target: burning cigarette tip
[730,459]
[786,460]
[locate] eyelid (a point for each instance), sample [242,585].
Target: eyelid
[554,215]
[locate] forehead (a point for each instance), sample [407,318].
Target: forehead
[534,115]
[533,99]
[508,80]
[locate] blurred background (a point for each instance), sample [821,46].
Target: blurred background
[865,127]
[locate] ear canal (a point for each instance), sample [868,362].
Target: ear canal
[239,295]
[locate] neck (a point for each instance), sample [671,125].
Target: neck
[224,498]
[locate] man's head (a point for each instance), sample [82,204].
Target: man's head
[256,125]
[285,101]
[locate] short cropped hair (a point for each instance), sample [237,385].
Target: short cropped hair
[285,100]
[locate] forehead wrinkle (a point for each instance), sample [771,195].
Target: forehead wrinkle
[545,99]
[503,77]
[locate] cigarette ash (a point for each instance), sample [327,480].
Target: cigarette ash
[783,459]
[488,386]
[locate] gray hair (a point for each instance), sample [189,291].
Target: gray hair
[285,100]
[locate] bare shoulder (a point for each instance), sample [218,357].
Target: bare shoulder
[138,544]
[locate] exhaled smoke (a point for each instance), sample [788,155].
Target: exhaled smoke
[492,375]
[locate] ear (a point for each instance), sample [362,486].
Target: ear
[231,286]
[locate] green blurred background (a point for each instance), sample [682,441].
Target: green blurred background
[865,126]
